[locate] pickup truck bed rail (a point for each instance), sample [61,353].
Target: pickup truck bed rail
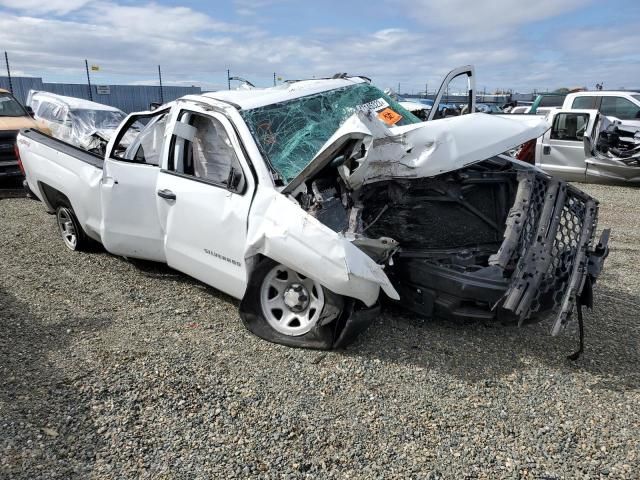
[64,147]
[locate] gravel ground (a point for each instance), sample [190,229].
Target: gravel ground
[112,369]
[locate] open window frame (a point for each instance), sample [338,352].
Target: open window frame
[237,180]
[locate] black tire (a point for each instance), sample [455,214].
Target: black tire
[70,230]
[325,331]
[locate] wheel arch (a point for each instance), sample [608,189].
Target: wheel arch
[53,198]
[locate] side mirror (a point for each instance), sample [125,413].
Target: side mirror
[30,111]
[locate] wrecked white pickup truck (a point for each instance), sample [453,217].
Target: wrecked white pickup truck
[309,199]
[585,146]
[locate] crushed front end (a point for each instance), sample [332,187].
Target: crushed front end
[462,230]
[495,240]
[521,263]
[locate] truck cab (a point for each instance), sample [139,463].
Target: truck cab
[617,105]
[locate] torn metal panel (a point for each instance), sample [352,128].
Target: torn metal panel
[423,150]
[579,270]
[612,171]
[282,231]
[550,275]
[614,156]
[516,221]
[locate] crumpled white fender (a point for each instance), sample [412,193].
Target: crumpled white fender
[279,229]
[423,149]
[432,148]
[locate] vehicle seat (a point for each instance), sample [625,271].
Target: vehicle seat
[571,128]
[213,155]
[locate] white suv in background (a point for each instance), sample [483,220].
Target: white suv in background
[617,105]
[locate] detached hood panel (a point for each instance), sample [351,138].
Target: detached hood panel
[376,152]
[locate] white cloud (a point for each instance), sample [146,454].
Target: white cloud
[157,20]
[37,7]
[603,42]
[128,42]
[253,7]
[487,15]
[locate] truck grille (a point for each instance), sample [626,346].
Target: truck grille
[554,235]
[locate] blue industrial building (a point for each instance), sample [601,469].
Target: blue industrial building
[128,98]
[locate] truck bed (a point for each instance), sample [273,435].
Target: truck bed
[63,147]
[56,167]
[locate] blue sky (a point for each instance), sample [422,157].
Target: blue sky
[517,44]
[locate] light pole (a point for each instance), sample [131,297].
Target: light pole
[86,66]
[6,59]
[161,92]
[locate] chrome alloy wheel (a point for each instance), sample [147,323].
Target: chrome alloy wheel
[291,303]
[67,228]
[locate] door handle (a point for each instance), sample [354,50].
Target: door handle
[546,150]
[168,194]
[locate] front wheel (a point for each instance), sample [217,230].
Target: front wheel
[291,303]
[284,306]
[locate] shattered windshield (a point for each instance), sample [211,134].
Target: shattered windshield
[291,133]
[9,107]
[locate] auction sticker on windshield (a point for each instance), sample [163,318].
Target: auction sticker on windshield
[374,105]
[389,117]
[383,109]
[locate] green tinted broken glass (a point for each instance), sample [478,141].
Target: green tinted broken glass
[291,133]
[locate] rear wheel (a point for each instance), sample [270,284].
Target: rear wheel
[284,306]
[70,229]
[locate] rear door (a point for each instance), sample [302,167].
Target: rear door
[130,223]
[561,151]
[204,194]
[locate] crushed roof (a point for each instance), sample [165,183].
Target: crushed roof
[259,97]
